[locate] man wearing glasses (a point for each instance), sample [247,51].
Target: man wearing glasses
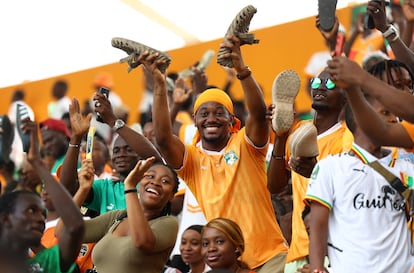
[328,101]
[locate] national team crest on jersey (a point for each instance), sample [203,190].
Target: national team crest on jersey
[315,172]
[230,158]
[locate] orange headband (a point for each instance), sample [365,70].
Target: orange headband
[219,96]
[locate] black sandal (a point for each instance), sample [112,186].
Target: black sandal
[326,10]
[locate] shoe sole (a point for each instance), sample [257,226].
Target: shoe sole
[134,49]
[239,27]
[22,113]
[326,11]
[204,62]
[284,91]
[6,139]
[303,141]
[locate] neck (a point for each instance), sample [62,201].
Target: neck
[364,141]
[197,267]
[324,120]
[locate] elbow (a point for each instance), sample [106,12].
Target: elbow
[145,245]
[76,228]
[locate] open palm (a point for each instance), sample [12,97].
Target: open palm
[80,124]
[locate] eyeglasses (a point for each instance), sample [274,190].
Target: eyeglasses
[316,83]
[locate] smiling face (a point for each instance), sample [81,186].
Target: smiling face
[190,246]
[26,222]
[217,250]
[124,158]
[157,187]
[213,122]
[327,96]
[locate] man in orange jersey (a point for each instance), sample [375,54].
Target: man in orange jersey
[225,167]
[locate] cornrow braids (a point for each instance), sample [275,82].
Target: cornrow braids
[386,66]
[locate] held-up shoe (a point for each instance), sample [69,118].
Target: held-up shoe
[303,141]
[134,49]
[284,90]
[239,27]
[21,114]
[6,139]
[326,11]
[202,64]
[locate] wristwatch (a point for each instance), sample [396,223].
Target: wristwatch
[119,123]
[390,31]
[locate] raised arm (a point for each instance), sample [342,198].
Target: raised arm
[141,233]
[80,126]
[277,173]
[257,128]
[170,145]
[318,236]
[71,238]
[399,48]
[352,77]
[139,143]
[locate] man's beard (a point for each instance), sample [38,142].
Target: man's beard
[319,107]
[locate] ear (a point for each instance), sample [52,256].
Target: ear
[5,220]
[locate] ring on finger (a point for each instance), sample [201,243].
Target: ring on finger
[376,11]
[97,104]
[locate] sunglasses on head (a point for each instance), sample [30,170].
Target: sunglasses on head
[316,83]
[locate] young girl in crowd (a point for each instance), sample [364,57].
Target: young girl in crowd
[190,249]
[222,245]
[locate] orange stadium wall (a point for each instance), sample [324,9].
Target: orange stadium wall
[285,46]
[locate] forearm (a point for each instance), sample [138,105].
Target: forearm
[398,102]
[139,143]
[69,170]
[141,234]
[173,112]
[61,199]
[349,42]
[170,146]
[407,33]
[256,125]
[318,236]
[161,115]
[403,53]
[277,177]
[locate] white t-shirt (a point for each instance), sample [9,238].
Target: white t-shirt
[367,225]
[191,214]
[56,109]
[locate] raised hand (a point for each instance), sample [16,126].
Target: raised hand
[408,10]
[79,123]
[34,151]
[138,172]
[233,43]
[86,174]
[180,95]
[344,72]
[104,109]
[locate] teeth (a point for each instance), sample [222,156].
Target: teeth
[152,191]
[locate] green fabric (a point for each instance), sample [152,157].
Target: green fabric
[47,261]
[107,196]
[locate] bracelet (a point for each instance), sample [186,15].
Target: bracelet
[245,73]
[131,190]
[74,145]
[278,157]
[394,39]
